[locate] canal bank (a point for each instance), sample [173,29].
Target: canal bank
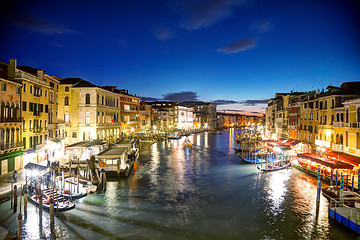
[202,192]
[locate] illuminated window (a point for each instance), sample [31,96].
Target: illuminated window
[87,117]
[66,117]
[67,89]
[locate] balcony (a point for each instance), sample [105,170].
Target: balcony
[37,130]
[8,146]
[31,77]
[338,147]
[50,126]
[338,124]
[37,114]
[355,124]
[11,120]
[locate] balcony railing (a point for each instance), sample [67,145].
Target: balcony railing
[355,124]
[339,124]
[6,146]
[337,147]
[11,119]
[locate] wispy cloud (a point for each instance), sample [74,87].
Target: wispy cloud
[150,99]
[203,13]
[239,46]
[163,33]
[181,96]
[230,110]
[223,102]
[253,102]
[57,44]
[263,26]
[40,26]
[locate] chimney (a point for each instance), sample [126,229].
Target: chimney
[318,91]
[12,68]
[40,74]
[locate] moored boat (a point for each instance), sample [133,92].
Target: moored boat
[60,203]
[275,166]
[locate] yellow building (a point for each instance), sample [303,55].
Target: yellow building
[348,136]
[35,108]
[87,111]
[10,120]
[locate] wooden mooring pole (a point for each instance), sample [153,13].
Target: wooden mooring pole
[25,202]
[52,212]
[15,199]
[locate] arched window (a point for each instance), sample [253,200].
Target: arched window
[2,111]
[102,100]
[337,117]
[346,139]
[341,139]
[66,101]
[98,99]
[342,117]
[337,139]
[87,98]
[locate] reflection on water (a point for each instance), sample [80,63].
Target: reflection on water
[203,192]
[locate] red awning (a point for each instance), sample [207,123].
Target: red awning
[334,164]
[344,157]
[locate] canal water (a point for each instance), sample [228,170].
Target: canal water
[204,192]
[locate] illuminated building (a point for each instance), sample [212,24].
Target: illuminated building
[87,111]
[205,113]
[145,116]
[184,118]
[10,119]
[35,110]
[163,115]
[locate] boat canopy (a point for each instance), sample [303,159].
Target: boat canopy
[114,152]
[35,167]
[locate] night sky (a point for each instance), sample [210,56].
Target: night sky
[231,52]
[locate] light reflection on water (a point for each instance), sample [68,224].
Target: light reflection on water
[203,192]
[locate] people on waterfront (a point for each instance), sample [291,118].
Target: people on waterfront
[15,176]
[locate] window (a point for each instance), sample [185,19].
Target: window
[24,106]
[74,135]
[24,87]
[18,90]
[87,117]
[31,106]
[87,99]
[40,139]
[31,89]
[3,87]
[41,92]
[45,93]
[46,108]
[126,107]
[30,126]
[66,101]
[66,117]
[67,89]
[45,123]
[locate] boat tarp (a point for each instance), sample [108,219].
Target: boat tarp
[35,167]
[334,164]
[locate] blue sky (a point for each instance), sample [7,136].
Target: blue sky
[238,52]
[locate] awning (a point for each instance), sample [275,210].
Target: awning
[344,157]
[334,164]
[35,167]
[55,140]
[11,154]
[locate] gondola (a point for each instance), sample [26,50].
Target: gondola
[275,166]
[60,203]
